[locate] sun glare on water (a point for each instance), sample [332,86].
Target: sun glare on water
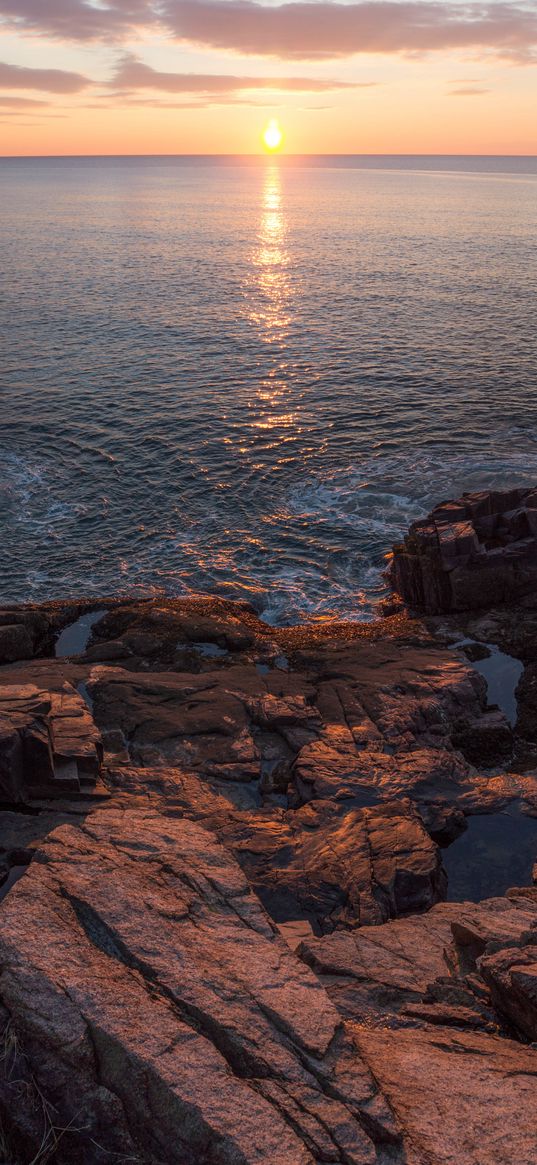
[272,137]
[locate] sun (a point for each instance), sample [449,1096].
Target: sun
[272,136]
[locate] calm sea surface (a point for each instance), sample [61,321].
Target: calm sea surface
[247,378]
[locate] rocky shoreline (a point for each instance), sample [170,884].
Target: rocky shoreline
[227,935]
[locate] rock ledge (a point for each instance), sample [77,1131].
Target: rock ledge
[470,553]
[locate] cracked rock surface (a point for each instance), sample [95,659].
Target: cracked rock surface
[250,785]
[161,1013]
[442,1021]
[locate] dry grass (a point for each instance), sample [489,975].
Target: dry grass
[6,1156]
[11,1058]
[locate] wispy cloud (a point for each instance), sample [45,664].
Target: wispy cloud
[46,80]
[133,74]
[8,102]
[469,91]
[203,101]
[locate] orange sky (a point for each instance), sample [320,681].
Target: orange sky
[205,76]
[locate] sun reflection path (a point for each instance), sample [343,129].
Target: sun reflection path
[271,260]
[271,313]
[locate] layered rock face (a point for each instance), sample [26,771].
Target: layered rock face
[255,787]
[49,744]
[469,554]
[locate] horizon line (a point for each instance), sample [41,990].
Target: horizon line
[271,158]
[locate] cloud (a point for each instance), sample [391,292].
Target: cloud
[79,19]
[46,80]
[323,29]
[204,101]
[468,92]
[133,74]
[19,102]
[309,30]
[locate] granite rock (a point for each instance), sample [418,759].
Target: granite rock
[259,783]
[471,553]
[432,959]
[435,1004]
[161,1017]
[49,744]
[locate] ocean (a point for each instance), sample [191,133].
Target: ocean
[247,376]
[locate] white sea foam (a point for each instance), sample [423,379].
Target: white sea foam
[337,526]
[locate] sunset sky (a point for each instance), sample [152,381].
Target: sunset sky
[205,76]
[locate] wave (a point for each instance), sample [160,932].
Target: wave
[319,553]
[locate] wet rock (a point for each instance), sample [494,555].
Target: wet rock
[475,552]
[15,643]
[323,771]
[30,631]
[511,626]
[476,651]
[168,1020]
[334,867]
[189,720]
[527,704]
[443,822]
[364,722]
[111,650]
[168,632]
[486,740]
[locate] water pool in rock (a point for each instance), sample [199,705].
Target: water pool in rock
[495,852]
[74,639]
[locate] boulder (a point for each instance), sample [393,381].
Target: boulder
[24,633]
[15,643]
[432,959]
[338,868]
[469,554]
[485,740]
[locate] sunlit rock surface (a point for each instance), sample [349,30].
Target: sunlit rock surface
[441,1006]
[162,1015]
[238,786]
[337,868]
